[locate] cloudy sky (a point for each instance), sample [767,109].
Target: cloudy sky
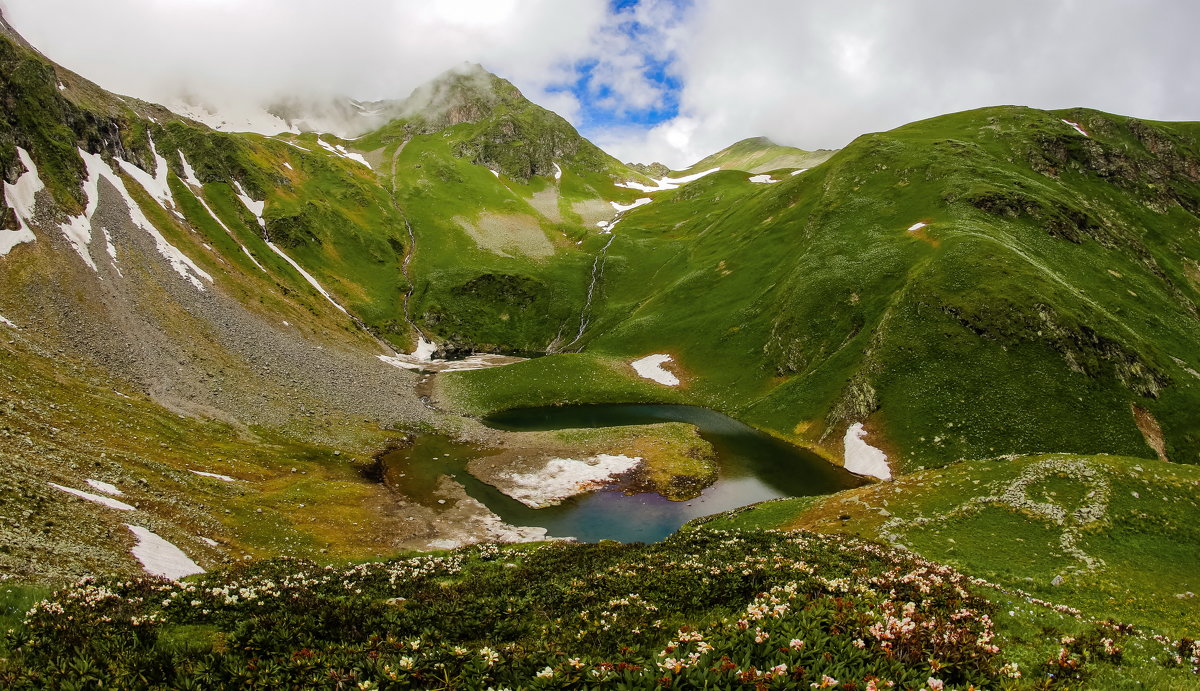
[669,80]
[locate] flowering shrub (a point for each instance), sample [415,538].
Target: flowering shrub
[703,608]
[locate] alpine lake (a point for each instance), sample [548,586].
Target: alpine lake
[752,467]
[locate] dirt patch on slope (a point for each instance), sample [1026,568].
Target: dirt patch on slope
[546,203]
[1150,429]
[593,211]
[508,234]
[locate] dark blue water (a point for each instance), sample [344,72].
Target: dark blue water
[753,467]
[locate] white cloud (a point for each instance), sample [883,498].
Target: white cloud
[808,74]
[260,50]
[816,75]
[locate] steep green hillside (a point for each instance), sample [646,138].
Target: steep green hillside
[759,155]
[980,283]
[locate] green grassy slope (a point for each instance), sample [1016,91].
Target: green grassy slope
[758,155]
[502,197]
[1050,296]
[1119,534]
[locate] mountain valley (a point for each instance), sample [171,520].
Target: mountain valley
[966,352]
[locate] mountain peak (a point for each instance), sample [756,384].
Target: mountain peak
[464,93]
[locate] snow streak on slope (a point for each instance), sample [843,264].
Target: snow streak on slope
[667,183]
[106,487]
[200,198]
[257,208]
[78,229]
[105,501]
[215,476]
[307,276]
[20,198]
[156,185]
[339,150]
[161,558]
[622,208]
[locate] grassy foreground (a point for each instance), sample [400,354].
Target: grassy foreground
[704,609]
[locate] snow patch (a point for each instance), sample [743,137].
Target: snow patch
[917,226]
[288,165]
[339,150]
[6,322]
[256,208]
[97,168]
[62,87]
[308,277]
[765,179]
[189,173]
[215,476]
[260,266]
[650,367]
[622,208]
[106,501]
[156,185]
[797,172]
[208,541]
[861,457]
[557,172]
[292,145]
[422,359]
[1076,126]
[106,488]
[666,183]
[565,477]
[20,198]
[161,558]
[111,249]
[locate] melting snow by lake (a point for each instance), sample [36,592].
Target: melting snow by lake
[562,478]
[161,558]
[861,457]
[651,367]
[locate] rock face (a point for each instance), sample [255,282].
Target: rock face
[654,170]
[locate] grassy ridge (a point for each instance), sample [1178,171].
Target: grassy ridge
[758,155]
